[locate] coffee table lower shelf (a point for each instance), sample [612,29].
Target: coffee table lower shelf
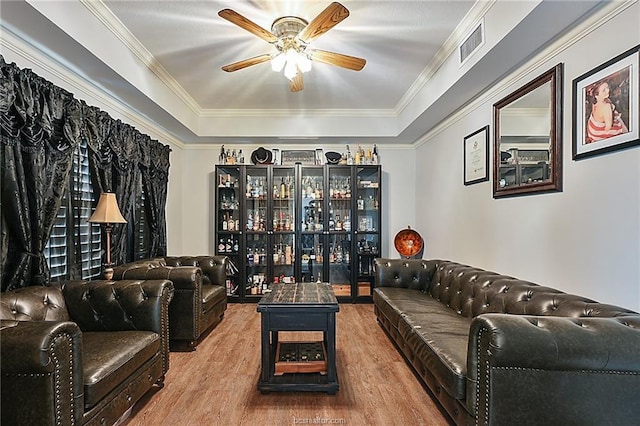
[293,376]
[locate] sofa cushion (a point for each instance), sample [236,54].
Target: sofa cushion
[438,338]
[434,333]
[393,301]
[212,295]
[110,357]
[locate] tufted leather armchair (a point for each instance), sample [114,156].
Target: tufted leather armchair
[82,352]
[200,292]
[497,350]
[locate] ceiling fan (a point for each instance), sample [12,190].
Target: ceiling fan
[291,37]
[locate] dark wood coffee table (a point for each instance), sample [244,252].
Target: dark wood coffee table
[298,307]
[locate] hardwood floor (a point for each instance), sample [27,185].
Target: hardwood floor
[217,384]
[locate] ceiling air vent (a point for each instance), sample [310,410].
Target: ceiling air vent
[471,43]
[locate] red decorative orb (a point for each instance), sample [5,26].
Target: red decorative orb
[408,242]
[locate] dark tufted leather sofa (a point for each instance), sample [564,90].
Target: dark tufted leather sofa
[82,352]
[200,298]
[496,350]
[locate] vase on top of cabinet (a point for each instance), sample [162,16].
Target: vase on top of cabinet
[305,223]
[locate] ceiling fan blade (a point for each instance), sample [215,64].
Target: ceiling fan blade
[296,84]
[244,23]
[337,59]
[327,19]
[247,63]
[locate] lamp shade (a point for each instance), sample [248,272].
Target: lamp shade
[107,210]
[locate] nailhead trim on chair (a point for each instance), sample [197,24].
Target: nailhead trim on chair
[56,373]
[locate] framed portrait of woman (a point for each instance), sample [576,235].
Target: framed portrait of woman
[606,106]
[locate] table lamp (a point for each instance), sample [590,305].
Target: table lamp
[108,213]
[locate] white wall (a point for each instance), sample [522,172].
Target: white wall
[584,240]
[191,189]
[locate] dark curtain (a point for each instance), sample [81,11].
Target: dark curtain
[40,128]
[113,161]
[155,176]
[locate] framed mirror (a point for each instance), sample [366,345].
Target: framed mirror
[527,152]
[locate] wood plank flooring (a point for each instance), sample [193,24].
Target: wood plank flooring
[217,384]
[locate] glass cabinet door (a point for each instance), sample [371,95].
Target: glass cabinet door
[228,218]
[338,253]
[368,200]
[283,225]
[256,265]
[255,226]
[367,224]
[256,197]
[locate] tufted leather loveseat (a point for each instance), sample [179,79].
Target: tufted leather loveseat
[82,352]
[200,298]
[496,350]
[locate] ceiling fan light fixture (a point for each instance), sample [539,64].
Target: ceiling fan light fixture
[278,62]
[290,70]
[290,37]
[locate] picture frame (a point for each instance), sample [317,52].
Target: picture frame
[476,156]
[606,106]
[292,157]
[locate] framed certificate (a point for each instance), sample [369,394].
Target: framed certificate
[476,156]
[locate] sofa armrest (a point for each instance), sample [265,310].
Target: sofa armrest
[562,370]
[214,268]
[41,364]
[415,274]
[182,277]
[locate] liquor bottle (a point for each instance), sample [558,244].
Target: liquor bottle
[235,245]
[241,157]
[338,223]
[360,203]
[291,191]
[287,255]
[349,157]
[231,224]
[225,223]
[375,158]
[283,189]
[276,255]
[222,158]
[249,256]
[332,223]
[221,246]
[228,246]
[346,225]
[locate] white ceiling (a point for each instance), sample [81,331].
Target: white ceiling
[163,58]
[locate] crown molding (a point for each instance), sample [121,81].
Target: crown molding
[600,18]
[287,113]
[117,28]
[70,80]
[450,46]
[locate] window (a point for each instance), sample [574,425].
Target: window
[74,248]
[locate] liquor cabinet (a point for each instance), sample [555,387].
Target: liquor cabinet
[299,224]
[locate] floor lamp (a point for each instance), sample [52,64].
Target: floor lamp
[107,213]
